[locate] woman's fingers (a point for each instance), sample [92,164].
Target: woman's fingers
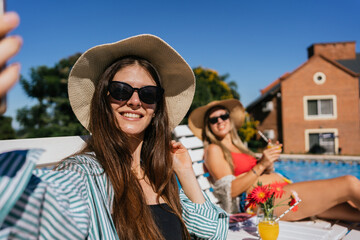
[175,144]
[8,77]
[8,22]
[271,155]
[177,147]
[9,47]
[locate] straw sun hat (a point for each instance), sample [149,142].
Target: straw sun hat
[234,106]
[176,76]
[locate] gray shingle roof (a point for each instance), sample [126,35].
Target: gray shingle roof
[353,64]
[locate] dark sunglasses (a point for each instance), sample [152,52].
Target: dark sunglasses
[122,91]
[224,117]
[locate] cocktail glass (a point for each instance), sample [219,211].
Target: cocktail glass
[268,228]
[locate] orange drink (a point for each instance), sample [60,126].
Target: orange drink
[268,230]
[272,145]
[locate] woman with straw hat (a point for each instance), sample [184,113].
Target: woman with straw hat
[130,95]
[234,170]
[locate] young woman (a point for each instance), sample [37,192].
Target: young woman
[234,170]
[130,95]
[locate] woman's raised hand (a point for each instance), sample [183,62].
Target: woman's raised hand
[9,46]
[181,157]
[270,155]
[182,165]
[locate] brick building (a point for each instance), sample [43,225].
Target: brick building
[316,107]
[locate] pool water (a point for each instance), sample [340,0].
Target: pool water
[300,170]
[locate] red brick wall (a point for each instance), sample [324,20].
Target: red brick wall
[339,83]
[268,120]
[343,50]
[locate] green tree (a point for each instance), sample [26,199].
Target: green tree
[52,115]
[6,130]
[248,132]
[211,86]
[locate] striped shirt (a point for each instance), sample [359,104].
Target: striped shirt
[76,202]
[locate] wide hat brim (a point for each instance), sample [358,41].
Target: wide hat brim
[236,110]
[176,76]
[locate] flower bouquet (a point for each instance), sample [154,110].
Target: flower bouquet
[264,197]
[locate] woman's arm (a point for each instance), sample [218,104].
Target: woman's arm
[219,168]
[40,204]
[247,180]
[203,219]
[183,168]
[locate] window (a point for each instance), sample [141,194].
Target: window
[269,133]
[268,106]
[321,141]
[319,78]
[320,107]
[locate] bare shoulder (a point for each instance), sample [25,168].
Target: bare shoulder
[214,148]
[213,151]
[215,162]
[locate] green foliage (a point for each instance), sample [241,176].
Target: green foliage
[52,115]
[211,86]
[6,130]
[248,132]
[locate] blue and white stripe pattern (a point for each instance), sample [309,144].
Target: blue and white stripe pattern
[76,201]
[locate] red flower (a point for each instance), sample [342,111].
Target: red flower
[277,189]
[250,204]
[294,198]
[264,196]
[259,194]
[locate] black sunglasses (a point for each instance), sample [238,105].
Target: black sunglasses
[224,117]
[122,91]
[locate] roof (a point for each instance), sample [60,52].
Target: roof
[270,93]
[274,83]
[352,64]
[326,43]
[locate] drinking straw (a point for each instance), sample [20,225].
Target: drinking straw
[289,209]
[263,136]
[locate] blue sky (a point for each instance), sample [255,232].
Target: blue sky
[253,41]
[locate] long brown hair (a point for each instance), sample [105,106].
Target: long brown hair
[131,214]
[209,137]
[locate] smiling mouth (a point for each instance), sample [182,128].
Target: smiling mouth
[222,126]
[131,115]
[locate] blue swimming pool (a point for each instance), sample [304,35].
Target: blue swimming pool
[301,170]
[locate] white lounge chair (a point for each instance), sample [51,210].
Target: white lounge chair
[57,148]
[301,230]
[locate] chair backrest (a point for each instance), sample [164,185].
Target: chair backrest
[56,148]
[194,145]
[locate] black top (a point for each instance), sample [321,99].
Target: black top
[168,223]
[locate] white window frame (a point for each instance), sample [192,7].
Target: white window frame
[320,117]
[322,130]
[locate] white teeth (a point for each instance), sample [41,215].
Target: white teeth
[131,115]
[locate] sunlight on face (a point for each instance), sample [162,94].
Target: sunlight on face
[133,115]
[222,127]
